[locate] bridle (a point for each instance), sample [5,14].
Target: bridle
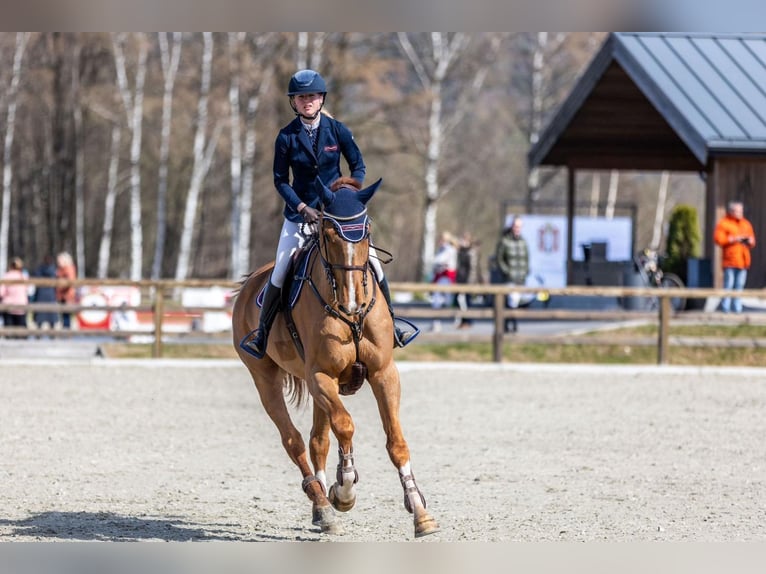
[354,229]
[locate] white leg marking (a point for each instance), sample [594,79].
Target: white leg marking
[322,476]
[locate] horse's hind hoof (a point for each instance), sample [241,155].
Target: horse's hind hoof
[338,504]
[425,525]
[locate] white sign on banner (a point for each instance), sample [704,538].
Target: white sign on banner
[546,237]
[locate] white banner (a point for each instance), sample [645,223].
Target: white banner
[546,236]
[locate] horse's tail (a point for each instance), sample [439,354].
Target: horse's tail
[296,390]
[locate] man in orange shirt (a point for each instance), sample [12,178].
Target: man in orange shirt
[734,234]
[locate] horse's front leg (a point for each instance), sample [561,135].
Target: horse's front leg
[273,401]
[329,412]
[387,390]
[319,443]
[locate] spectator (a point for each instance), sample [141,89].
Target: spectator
[45,294]
[66,295]
[444,272]
[15,294]
[512,260]
[734,234]
[468,272]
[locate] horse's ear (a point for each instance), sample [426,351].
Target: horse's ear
[325,195]
[365,194]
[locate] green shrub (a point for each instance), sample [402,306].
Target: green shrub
[683,240]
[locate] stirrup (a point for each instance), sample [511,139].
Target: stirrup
[248,343]
[404,336]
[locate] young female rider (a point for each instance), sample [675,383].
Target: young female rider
[311,145]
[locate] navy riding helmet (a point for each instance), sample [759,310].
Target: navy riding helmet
[306,82]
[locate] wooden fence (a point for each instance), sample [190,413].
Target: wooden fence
[158,298]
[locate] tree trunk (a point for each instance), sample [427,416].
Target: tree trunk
[79,179]
[133,104]
[170,60]
[200,168]
[13,90]
[659,214]
[105,246]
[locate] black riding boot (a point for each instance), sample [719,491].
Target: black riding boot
[401,337]
[256,345]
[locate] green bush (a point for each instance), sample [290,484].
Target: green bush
[683,240]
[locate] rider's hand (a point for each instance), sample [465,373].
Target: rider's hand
[310,215]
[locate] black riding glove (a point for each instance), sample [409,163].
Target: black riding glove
[310,215]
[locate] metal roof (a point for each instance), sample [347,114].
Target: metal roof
[709,89]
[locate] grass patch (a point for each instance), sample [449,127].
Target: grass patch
[616,354]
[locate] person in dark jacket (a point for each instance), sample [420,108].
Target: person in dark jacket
[310,146]
[45,294]
[512,260]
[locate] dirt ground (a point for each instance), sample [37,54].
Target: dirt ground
[181,450]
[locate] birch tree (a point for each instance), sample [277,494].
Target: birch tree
[243,155]
[309,50]
[432,63]
[105,246]
[201,158]
[659,214]
[133,104]
[12,96]
[235,160]
[170,57]
[79,181]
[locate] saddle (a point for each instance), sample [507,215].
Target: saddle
[291,290]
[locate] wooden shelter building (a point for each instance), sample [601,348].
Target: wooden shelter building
[693,102]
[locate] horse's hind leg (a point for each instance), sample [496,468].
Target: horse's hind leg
[386,388]
[268,382]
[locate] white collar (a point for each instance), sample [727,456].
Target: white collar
[313,125]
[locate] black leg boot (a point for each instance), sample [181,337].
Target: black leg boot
[255,343]
[401,337]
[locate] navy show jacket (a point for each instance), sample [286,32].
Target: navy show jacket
[293,151]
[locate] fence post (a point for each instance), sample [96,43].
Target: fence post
[497,334]
[664,327]
[159,299]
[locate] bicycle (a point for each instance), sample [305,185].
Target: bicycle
[648,264]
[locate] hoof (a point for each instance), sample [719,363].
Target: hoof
[337,504]
[324,517]
[425,525]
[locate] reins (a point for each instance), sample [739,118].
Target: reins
[354,320]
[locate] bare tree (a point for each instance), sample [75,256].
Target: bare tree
[13,90]
[243,155]
[432,63]
[133,104]
[309,58]
[202,158]
[105,245]
[659,214]
[169,59]
[79,180]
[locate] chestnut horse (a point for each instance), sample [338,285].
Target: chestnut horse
[337,333]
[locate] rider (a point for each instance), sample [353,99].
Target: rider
[310,145]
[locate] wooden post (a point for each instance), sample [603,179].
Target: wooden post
[664,326]
[497,334]
[159,301]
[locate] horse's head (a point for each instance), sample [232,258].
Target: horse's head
[344,230]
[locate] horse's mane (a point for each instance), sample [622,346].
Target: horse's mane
[244,278]
[351,182]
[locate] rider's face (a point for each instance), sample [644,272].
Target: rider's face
[308,104]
